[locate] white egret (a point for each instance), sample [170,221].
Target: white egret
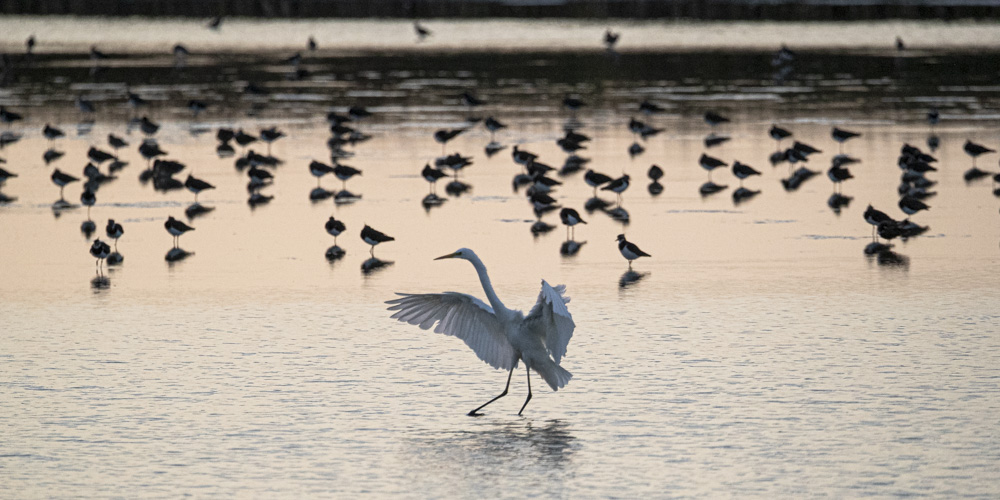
[498,335]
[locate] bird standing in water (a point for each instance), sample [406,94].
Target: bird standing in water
[373,237]
[629,250]
[499,336]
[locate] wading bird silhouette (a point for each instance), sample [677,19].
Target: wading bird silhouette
[498,335]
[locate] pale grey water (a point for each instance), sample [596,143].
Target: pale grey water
[761,354]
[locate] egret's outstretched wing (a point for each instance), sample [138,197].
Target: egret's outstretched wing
[550,319]
[458,315]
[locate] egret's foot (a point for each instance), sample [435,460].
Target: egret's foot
[474,413]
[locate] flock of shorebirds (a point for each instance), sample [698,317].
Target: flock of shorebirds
[535,176]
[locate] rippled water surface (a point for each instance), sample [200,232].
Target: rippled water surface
[758,353]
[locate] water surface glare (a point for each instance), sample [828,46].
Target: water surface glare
[759,353]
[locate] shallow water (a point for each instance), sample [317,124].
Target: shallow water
[758,353]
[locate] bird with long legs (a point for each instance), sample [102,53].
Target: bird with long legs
[975,150]
[431,175]
[196,185]
[499,336]
[100,251]
[114,231]
[841,136]
[176,228]
[59,178]
[374,237]
[570,218]
[629,250]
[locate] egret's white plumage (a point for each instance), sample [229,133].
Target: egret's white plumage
[499,336]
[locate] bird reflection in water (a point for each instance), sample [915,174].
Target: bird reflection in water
[888,258]
[883,255]
[838,201]
[457,188]
[619,214]
[743,194]
[550,443]
[630,278]
[196,210]
[87,228]
[319,194]
[593,204]
[570,247]
[100,282]
[177,254]
[482,451]
[374,264]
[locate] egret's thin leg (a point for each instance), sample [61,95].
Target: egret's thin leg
[474,413]
[529,391]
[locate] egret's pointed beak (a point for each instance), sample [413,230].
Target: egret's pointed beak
[449,256]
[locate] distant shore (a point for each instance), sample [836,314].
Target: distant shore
[782,10]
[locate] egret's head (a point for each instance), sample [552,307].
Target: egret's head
[461,253]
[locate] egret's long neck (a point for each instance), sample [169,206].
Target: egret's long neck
[487,286]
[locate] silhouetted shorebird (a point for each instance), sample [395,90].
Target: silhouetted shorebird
[373,237]
[421,31]
[522,157]
[842,136]
[88,199]
[493,125]
[911,205]
[269,135]
[778,134]
[197,107]
[596,179]
[176,228]
[150,150]
[742,171]
[7,116]
[98,156]
[334,227]
[572,103]
[570,218]
[470,100]
[215,23]
[4,175]
[650,108]
[933,117]
[975,150]
[655,173]
[344,172]
[243,139]
[196,186]
[61,179]
[838,175]
[114,231]
[431,175]
[116,142]
[100,251]
[804,148]
[629,250]
[618,186]
[710,163]
[611,39]
[444,135]
[714,119]
[52,133]
[318,170]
